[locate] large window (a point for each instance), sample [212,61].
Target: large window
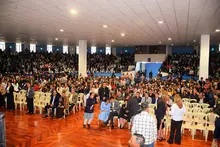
[77,50]
[93,50]
[33,48]
[108,50]
[18,47]
[2,46]
[65,49]
[49,48]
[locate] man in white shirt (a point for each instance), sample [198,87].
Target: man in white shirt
[145,125]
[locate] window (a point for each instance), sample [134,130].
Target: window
[93,49]
[108,50]
[2,46]
[65,49]
[77,50]
[18,47]
[49,48]
[33,48]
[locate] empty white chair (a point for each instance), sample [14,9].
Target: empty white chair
[211,117]
[188,123]
[80,100]
[200,122]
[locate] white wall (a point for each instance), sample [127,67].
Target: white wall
[154,57]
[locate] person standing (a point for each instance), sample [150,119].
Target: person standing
[177,112]
[160,112]
[103,92]
[145,125]
[89,110]
[10,97]
[133,107]
[30,98]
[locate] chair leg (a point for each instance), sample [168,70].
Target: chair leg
[118,123]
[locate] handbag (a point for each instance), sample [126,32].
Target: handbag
[136,140]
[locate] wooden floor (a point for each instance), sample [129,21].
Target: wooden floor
[23,131]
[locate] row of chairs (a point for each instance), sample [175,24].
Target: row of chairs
[199,121]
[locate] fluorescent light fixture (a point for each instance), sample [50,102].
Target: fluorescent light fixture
[104,26]
[56,38]
[61,30]
[122,34]
[73,11]
[218,30]
[169,38]
[160,22]
[113,40]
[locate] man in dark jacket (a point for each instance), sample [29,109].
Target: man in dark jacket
[103,92]
[133,107]
[54,101]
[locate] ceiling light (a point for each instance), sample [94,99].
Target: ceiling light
[169,38]
[73,11]
[172,44]
[61,30]
[187,44]
[160,22]
[122,34]
[36,42]
[113,40]
[56,38]
[24,41]
[217,30]
[105,26]
[194,40]
[159,42]
[126,45]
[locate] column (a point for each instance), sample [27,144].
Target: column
[204,56]
[114,51]
[82,69]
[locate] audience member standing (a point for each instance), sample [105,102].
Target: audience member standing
[103,92]
[133,107]
[177,112]
[10,97]
[89,110]
[145,125]
[160,112]
[30,98]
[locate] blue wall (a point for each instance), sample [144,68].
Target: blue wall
[122,50]
[41,48]
[57,49]
[154,67]
[12,46]
[182,50]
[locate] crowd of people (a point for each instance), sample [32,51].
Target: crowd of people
[181,63]
[28,63]
[118,96]
[214,64]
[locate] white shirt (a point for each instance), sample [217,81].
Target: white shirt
[15,86]
[177,113]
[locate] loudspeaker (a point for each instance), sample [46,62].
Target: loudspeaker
[2,130]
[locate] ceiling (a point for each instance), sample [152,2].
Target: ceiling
[41,20]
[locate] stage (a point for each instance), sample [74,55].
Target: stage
[32,130]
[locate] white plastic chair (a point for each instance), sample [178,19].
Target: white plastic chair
[200,122]
[211,117]
[80,100]
[188,123]
[185,100]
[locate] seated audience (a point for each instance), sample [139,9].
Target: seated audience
[54,101]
